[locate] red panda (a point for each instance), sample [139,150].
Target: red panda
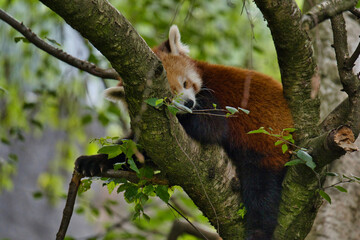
[260,164]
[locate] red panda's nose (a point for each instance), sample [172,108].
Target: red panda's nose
[189,103]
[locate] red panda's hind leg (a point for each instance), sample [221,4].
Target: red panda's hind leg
[261,192]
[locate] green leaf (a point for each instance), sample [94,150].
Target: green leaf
[341,189]
[130,193]
[143,198]
[147,218]
[162,192]
[148,189]
[37,123]
[284,148]
[80,210]
[278,142]
[331,174]
[86,119]
[111,150]
[95,211]
[232,110]
[294,162]
[244,110]
[13,157]
[84,185]
[104,120]
[155,102]
[118,166]
[123,187]
[159,102]
[290,129]
[214,105]
[304,155]
[173,110]
[3,90]
[146,172]
[133,165]
[182,107]
[325,196]
[310,164]
[307,158]
[111,186]
[260,130]
[5,141]
[53,41]
[37,195]
[18,39]
[242,211]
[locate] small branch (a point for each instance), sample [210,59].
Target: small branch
[331,145]
[325,10]
[355,12]
[69,206]
[347,77]
[338,183]
[58,53]
[350,62]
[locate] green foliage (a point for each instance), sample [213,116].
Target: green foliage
[242,211]
[325,196]
[285,138]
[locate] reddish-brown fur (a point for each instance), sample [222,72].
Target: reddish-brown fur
[267,106]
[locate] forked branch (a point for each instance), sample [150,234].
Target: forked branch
[325,10]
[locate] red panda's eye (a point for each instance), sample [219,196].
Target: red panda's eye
[185,85]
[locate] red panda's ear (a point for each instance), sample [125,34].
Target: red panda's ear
[176,46]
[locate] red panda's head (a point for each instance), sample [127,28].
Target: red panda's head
[184,80]
[181,72]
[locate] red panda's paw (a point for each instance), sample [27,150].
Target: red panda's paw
[93,165]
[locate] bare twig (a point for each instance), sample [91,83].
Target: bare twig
[355,12]
[69,206]
[325,10]
[58,53]
[350,62]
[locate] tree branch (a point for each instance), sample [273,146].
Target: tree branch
[58,53]
[331,145]
[69,206]
[325,10]
[350,63]
[348,79]
[355,12]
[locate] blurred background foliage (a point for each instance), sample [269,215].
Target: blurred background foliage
[43,98]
